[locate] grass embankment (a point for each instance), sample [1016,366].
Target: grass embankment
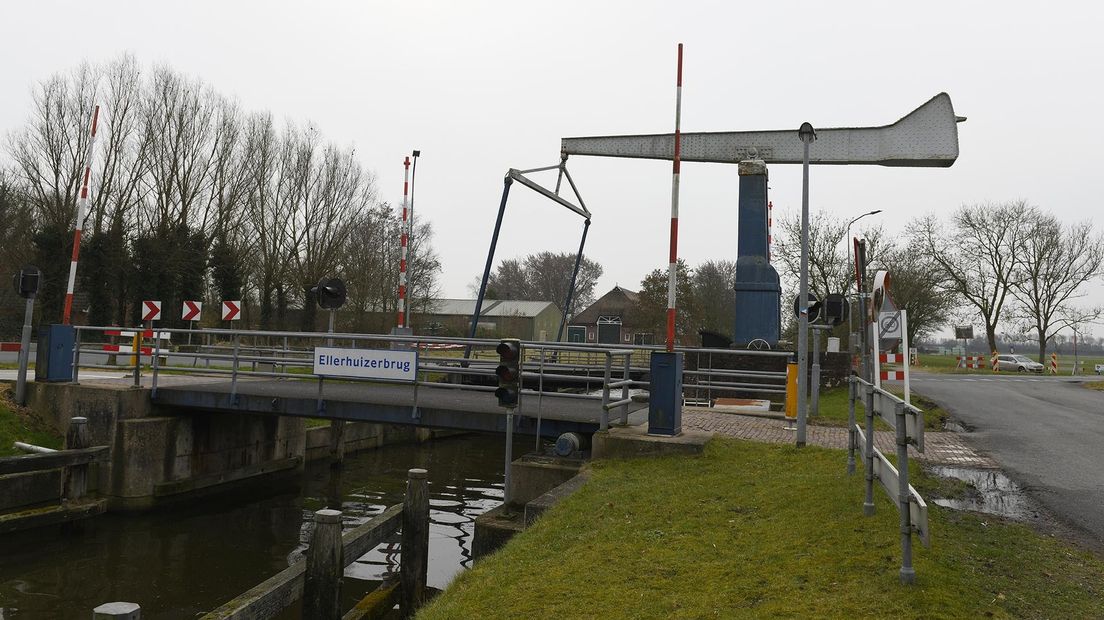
[752,530]
[19,424]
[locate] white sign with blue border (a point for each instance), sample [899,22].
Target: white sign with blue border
[366,363]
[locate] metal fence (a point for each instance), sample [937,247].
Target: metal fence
[606,373]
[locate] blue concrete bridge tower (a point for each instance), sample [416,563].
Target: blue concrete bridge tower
[758,293]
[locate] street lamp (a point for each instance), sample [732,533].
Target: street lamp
[851,266]
[410,238]
[847,239]
[806,134]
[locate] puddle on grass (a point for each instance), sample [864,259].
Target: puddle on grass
[992,493]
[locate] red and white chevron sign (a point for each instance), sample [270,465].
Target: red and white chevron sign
[151,310]
[231,310]
[192,311]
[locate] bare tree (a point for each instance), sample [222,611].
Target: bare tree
[370,268]
[119,165]
[509,281]
[546,276]
[916,288]
[977,256]
[1057,261]
[829,269]
[329,190]
[713,289]
[423,270]
[180,130]
[268,214]
[49,152]
[17,215]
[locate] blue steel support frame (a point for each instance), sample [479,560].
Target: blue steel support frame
[506,183]
[571,287]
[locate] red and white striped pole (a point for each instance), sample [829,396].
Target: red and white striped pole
[672,269]
[402,255]
[82,208]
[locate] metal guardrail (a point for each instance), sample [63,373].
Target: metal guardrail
[908,424]
[590,368]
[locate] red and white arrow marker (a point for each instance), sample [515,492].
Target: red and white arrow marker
[192,311]
[151,310]
[231,310]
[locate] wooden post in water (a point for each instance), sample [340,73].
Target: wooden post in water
[74,479]
[414,555]
[325,567]
[337,443]
[117,611]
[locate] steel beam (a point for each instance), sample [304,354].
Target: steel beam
[926,137]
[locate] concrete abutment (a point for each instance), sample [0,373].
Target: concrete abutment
[161,455]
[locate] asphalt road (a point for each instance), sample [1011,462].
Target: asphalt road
[1047,433]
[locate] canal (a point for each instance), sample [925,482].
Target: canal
[183,561]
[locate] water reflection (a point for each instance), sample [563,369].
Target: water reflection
[194,557]
[995,494]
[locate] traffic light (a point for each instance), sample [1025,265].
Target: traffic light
[28,281]
[330,293]
[836,309]
[508,373]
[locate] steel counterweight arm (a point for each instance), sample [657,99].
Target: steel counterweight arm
[926,137]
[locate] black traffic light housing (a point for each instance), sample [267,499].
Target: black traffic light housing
[28,281]
[330,293]
[836,309]
[508,373]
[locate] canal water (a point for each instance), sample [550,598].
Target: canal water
[183,561]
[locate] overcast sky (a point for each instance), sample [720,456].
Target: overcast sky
[480,87]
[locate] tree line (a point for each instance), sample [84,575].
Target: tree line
[705,295]
[1011,266]
[195,198]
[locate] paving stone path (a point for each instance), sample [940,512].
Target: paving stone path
[940,448]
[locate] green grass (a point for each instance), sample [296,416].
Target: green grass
[833,410]
[756,530]
[19,424]
[1095,385]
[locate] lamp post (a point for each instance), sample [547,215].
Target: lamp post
[410,239]
[851,267]
[807,135]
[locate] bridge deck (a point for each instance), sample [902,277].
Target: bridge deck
[391,404]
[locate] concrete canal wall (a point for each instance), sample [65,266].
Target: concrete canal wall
[160,456]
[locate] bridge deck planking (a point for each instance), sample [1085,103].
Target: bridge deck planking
[393,404]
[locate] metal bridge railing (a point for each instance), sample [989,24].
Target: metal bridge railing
[598,372]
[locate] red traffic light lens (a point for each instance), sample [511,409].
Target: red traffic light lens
[505,373]
[508,351]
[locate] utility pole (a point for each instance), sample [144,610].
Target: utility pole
[807,135]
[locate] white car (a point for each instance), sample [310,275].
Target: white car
[1018,363]
[1099,368]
